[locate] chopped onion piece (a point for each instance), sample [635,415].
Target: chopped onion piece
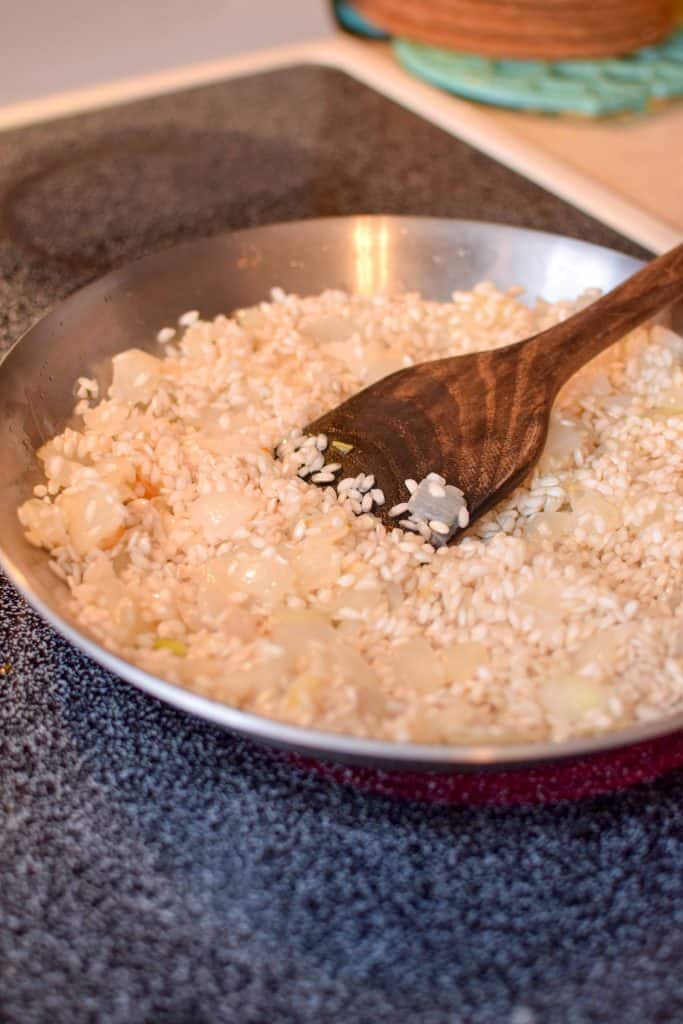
[461,661]
[219,515]
[93,515]
[567,698]
[136,375]
[416,665]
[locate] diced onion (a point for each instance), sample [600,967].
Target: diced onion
[268,580]
[43,523]
[316,561]
[551,525]
[136,376]
[461,661]
[219,515]
[93,515]
[567,698]
[329,329]
[416,665]
[564,437]
[592,504]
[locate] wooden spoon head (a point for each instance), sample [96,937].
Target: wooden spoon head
[478,420]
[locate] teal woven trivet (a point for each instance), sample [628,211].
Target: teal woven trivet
[588,87]
[350,19]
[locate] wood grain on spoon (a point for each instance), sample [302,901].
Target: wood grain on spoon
[481,420]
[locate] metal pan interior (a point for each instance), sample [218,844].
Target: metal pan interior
[359,254]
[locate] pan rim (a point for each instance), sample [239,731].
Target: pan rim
[382,754]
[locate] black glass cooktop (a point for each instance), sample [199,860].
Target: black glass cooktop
[155,870]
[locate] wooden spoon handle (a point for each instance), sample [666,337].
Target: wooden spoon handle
[564,349]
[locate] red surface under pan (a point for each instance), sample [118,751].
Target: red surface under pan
[543,783]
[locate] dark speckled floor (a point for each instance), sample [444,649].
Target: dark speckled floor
[156,871]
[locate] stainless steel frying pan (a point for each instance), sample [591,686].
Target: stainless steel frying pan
[127,307]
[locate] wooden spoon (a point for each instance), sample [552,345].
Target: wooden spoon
[481,420]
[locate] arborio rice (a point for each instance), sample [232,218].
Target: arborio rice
[192,551]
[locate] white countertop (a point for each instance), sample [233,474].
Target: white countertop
[640,157]
[626,171]
[48,47]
